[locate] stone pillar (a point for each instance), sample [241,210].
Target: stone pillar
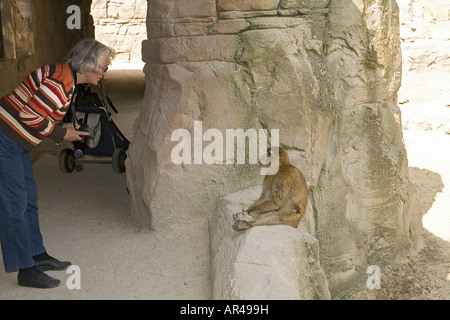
[367,210]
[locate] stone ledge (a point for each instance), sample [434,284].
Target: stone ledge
[265,262]
[246,5]
[190,49]
[304,4]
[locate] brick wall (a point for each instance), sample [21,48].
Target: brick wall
[120,24]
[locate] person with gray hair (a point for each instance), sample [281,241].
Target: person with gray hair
[90,59]
[30,113]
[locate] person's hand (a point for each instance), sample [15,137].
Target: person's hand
[72,134]
[70,125]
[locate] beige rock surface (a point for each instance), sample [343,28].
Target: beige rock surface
[267,262]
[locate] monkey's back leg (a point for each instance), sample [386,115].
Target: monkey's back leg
[287,217]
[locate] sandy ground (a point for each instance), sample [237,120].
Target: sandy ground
[84,218]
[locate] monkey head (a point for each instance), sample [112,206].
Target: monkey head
[271,161]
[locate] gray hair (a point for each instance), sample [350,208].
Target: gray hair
[86,56]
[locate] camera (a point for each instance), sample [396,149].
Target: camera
[79,147]
[83,126]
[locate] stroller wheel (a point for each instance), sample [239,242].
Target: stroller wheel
[67,161]
[118,160]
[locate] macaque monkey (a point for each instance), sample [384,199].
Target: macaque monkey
[283,197]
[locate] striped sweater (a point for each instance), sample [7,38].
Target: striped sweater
[32,111]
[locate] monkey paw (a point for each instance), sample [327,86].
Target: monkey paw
[242,216]
[241,225]
[238,216]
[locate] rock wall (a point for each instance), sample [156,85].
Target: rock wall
[367,210]
[121,25]
[424,32]
[426,49]
[324,73]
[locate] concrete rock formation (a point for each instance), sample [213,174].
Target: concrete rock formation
[267,262]
[324,73]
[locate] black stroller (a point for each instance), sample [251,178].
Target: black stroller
[105,142]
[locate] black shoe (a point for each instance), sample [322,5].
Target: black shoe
[37,280]
[52,264]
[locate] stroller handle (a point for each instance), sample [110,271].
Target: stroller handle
[106,100]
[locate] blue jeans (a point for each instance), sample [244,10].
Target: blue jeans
[20,234]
